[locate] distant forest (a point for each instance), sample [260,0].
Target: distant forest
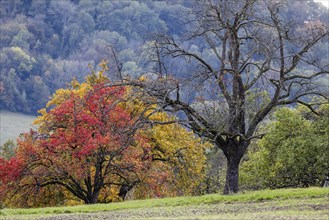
[47,43]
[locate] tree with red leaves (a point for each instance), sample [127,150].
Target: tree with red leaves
[95,143]
[85,143]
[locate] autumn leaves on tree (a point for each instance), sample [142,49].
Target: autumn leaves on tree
[96,143]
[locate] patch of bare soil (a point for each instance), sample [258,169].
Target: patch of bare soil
[255,210]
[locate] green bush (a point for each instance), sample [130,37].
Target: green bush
[294,153]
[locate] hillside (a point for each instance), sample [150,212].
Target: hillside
[12,124]
[310,203]
[45,44]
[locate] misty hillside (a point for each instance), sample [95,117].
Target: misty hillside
[45,44]
[12,124]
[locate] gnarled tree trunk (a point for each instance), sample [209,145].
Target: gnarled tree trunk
[234,151]
[232,175]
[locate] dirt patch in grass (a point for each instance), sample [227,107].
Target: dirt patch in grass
[310,203]
[317,208]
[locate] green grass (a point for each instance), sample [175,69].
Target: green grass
[295,197]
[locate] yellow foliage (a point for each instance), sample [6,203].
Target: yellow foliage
[179,156]
[184,151]
[109,194]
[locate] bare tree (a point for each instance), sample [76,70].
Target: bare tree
[260,63]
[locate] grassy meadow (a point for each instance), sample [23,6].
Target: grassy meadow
[12,124]
[309,203]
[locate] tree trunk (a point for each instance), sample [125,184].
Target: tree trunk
[232,174]
[92,196]
[92,199]
[125,188]
[234,151]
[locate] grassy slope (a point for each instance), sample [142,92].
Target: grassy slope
[284,204]
[12,124]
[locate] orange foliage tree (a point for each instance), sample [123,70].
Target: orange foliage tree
[86,143]
[95,143]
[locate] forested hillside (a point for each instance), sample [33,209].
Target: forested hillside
[45,44]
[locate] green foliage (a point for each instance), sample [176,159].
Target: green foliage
[215,171]
[7,150]
[294,153]
[22,39]
[19,59]
[256,99]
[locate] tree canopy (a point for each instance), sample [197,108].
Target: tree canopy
[293,153]
[96,143]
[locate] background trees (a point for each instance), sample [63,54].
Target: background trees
[56,40]
[62,38]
